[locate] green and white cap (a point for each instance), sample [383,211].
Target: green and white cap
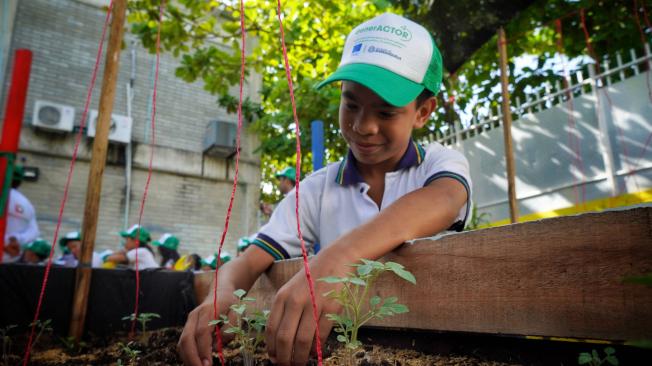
[393,56]
[71,236]
[167,241]
[39,246]
[143,234]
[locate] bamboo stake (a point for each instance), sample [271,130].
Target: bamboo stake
[98,162]
[507,127]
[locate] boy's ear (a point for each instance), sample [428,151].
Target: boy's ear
[424,111]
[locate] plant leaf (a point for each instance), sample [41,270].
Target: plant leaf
[374,301]
[332,279]
[399,270]
[357,281]
[584,358]
[612,360]
[239,293]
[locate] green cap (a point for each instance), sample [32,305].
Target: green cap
[19,172]
[39,246]
[71,236]
[289,173]
[133,231]
[167,241]
[212,262]
[394,57]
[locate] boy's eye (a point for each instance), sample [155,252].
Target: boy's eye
[350,106]
[387,114]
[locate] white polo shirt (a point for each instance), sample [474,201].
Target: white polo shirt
[21,219]
[145,259]
[334,200]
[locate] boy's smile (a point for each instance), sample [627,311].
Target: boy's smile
[377,132]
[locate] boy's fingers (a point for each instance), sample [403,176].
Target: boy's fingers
[187,348]
[204,338]
[281,339]
[325,327]
[304,336]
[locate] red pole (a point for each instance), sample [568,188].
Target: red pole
[14,112]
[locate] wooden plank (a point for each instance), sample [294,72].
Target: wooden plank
[98,162]
[555,277]
[507,127]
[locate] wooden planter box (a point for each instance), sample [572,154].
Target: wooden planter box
[559,277]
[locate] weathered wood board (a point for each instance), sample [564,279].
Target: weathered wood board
[556,277]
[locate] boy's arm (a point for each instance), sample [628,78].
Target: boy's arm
[420,213]
[196,342]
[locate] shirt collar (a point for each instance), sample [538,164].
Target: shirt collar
[348,174]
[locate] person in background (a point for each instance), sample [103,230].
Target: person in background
[70,245]
[132,248]
[22,228]
[36,252]
[210,263]
[188,262]
[286,180]
[167,248]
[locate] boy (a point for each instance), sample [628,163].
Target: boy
[386,191]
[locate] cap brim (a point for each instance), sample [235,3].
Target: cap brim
[394,89]
[156,243]
[124,234]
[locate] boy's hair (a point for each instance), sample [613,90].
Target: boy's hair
[425,95]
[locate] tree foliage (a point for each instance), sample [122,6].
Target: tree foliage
[205,35]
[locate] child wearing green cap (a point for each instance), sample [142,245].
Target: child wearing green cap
[36,252]
[167,248]
[286,180]
[387,190]
[22,227]
[134,248]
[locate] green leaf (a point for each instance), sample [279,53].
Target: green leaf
[612,360]
[595,355]
[332,279]
[342,339]
[239,293]
[374,301]
[401,272]
[239,308]
[357,281]
[249,299]
[609,350]
[584,358]
[364,270]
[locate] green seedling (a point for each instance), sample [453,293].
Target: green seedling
[6,343]
[357,308]
[593,359]
[71,345]
[142,318]
[131,353]
[41,328]
[248,328]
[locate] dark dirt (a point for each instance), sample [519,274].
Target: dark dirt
[383,348]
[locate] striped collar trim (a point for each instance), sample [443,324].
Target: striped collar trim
[347,173]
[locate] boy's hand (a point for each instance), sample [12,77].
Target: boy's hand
[291,326]
[196,342]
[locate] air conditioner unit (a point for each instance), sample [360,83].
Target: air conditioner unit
[219,139]
[120,130]
[53,116]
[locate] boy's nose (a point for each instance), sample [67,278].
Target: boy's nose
[365,125]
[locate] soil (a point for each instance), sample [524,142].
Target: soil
[159,348]
[383,348]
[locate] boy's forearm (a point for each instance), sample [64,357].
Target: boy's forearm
[421,213]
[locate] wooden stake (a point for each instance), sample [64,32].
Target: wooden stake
[98,162]
[507,127]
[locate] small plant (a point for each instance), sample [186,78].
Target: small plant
[129,351]
[41,328]
[477,220]
[142,318]
[593,359]
[6,343]
[248,328]
[353,297]
[71,345]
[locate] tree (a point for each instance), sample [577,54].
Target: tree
[206,37]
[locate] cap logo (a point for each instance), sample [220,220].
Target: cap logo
[403,32]
[356,49]
[384,51]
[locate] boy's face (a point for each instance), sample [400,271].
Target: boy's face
[377,132]
[130,243]
[74,246]
[31,257]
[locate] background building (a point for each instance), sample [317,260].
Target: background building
[189,190]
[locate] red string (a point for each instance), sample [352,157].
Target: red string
[573,140]
[62,206]
[218,335]
[152,143]
[306,267]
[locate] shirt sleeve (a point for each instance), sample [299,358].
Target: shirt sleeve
[442,162]
[280,237]
[31,231]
